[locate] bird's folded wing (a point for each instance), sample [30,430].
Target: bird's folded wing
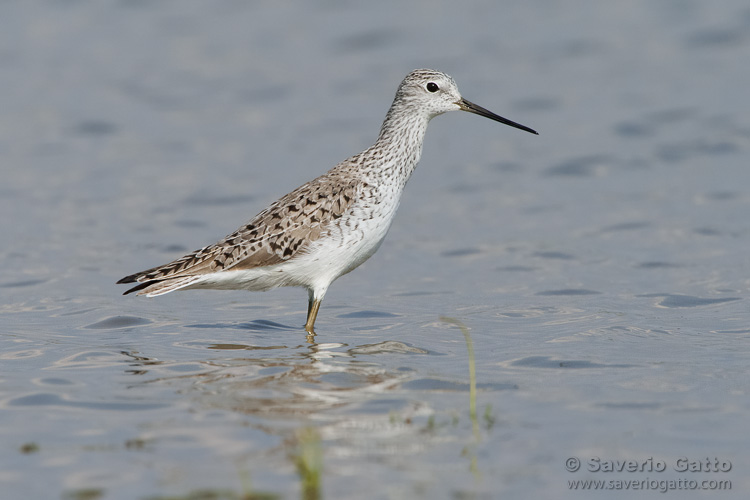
[275,235]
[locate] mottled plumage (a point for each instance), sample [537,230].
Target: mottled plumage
[330,225]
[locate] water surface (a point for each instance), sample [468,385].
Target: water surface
[601,268]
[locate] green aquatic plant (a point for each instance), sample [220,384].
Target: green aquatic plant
[472,372]
[29,448]
[469,451]
[308,458]
[220,495]
[489,417]
[84,494]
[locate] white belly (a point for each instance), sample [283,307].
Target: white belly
[353,240]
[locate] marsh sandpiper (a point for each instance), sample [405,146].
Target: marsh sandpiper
[330,225]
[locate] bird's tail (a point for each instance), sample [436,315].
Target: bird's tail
[154,288]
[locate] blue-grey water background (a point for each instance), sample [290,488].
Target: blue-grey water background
[602,268]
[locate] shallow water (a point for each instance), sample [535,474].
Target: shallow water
[601,268]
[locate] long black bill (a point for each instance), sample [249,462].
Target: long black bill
[479,110]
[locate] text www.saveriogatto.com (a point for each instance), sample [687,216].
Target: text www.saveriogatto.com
[707,474]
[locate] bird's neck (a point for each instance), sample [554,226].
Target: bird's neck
[400,141]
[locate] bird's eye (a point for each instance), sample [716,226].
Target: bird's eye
[432,87]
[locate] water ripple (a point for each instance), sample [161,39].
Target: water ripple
[681,301]
[118,322]
[46,400]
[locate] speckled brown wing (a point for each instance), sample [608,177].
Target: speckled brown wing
[275,235]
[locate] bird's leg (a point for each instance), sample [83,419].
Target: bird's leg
[312,312]
[310,301]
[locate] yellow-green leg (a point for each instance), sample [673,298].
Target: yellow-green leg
[312,312]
